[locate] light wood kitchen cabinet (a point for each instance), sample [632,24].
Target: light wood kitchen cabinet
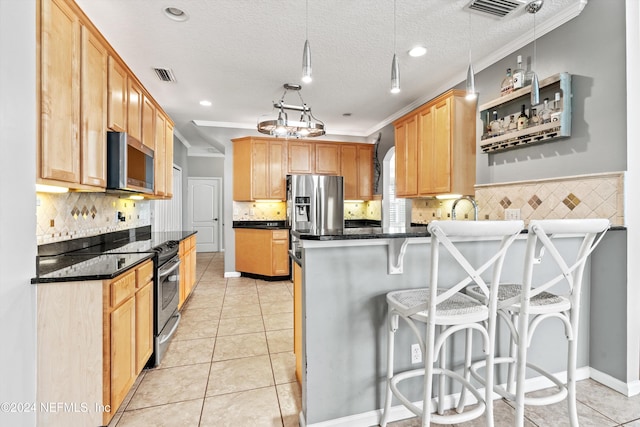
[148,123]
[406,141]
[134,109]
[93,81]
[168,159]
[187,254]
[108,324]
[259,168]
[118,98]
[59,148]
[160,162]
[356,167]
[440,136]
[300,157]
[263,252]
[327,158]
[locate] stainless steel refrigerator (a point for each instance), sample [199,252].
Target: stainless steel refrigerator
[315,204]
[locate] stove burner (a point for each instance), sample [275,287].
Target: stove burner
[166,251]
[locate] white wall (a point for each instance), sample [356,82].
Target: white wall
[17,207]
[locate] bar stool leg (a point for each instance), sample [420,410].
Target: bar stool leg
[571,382]
[392,324]
[513,354]
[467,369]
[428,373]
[442,378]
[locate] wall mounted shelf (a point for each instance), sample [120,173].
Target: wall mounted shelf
[508,105]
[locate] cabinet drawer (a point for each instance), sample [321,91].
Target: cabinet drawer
[144,274]
[123,288]
[280,234]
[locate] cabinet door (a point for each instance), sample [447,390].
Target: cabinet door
[426,124]
[60,93]
[148,127]
[123,361]
[253,249]
[279,257]
[182,269]
[94,110]
[406,139]
[349,170]
[327,160]
[144,325]
[260,170]
[277,170]
[300,157]
[159,155]
[117,110]
[134,109]
[168,139]
[441,161]
[242,170]
[365,172]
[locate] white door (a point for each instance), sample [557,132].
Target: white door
[204,212]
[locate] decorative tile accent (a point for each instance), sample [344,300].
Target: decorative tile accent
[587,196]
[505,202]
[534,202]
[72,215]
[571,201]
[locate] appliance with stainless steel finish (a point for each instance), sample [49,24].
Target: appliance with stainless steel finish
[129,164]
[315,204]
[167,290]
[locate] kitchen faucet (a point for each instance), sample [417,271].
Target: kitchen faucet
[471,200]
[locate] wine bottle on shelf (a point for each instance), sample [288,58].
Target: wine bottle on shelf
[545,114]
[556,111]
[507,84]
[495,124]
[523,119]
[513,125]
[534,120]
[518,75]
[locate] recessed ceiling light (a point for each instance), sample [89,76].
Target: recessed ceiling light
[205,103]
[176,14]
[418,51]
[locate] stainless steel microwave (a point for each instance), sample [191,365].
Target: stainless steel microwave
[129,164]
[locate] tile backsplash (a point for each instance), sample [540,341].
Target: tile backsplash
[73,215]
[277,211]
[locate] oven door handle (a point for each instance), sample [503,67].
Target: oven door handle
[165,338]
[164,273]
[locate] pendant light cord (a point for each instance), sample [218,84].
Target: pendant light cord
[535,56]
[394,27]
[307,21]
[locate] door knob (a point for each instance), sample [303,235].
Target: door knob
[215,219]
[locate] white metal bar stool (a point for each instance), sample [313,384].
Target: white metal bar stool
[524,306]
[442,304]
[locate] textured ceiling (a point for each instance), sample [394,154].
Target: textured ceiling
[238,54]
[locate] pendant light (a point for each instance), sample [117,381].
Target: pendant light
[533,8]
[306,127]
[306,53]
[471,79]
[395,68]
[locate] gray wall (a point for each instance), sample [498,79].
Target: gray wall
[591,47]
[209,167]
[17,210]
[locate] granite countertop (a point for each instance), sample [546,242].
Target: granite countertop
[261,225]
[365,233]
[100,257]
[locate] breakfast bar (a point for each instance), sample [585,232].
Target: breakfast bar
[345,277]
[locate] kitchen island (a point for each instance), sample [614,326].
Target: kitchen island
[344,281]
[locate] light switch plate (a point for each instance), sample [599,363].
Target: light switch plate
[511,214]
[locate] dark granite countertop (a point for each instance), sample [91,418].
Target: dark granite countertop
[261,225]
[100,257]
[365,233]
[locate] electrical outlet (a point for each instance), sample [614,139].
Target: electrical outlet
[511,214]
[438,213]
[416,354]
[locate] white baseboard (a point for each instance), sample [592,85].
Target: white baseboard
[231,274]
[399,412]
[628,389]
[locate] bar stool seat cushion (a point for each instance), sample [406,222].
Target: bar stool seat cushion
[544,302]
[459,308]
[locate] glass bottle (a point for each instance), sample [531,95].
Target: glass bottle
[534,120]
[523,119]
[495,124]
[518,75]
[545,114]
[507,84]
[512,126]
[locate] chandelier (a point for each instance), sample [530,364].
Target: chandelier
[306,127]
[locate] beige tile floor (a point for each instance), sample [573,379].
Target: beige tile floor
[231,364]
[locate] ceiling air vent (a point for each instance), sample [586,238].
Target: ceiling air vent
[165,74]
[495,8]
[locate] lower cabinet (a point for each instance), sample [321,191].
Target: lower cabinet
[94,338]
[262,252]
[187,254]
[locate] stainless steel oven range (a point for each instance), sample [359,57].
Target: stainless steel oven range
[167,289]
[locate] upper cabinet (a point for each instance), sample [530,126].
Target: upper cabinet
[159,155]
[327,158]
[356,166]
[168,157]
[436,148]
[301,157]
[85,90]
[59,148]
[259,169]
